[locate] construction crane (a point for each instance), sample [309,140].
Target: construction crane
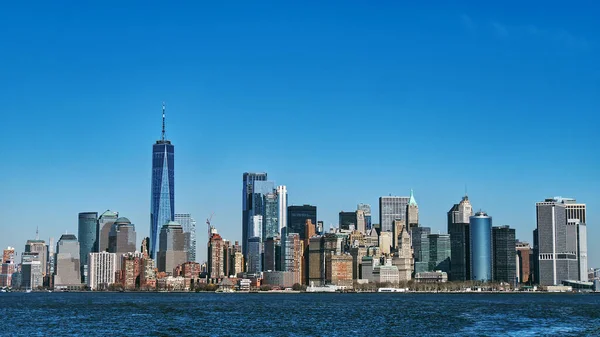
[208,223]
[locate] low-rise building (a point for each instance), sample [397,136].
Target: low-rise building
[431,277]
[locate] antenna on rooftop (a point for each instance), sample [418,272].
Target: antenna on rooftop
[163,121]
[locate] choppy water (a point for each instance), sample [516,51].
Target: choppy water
[170,314]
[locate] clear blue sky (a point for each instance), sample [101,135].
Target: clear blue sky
[341,101]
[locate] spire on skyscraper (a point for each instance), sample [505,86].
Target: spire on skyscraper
[412,200]
[163,121]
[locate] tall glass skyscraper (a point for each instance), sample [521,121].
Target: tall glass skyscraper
[390,209]
[162,202]
[247,205]
[88,239]
[189,231]
[480,229]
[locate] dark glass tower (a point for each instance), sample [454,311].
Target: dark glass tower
[505,254]
[248,205]
[297,216]
[162,202]
[88,239]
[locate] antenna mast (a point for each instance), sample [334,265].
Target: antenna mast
[163,124]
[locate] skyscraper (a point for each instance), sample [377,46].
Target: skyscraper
[254,255]
[67,273]
[480,232]
[172,251]
[556,246]
[366,208]
[189,230]
[282,205]
[390,209]
[162,200]
[88,239]
[38,246]
[249,178]
[505,254]
[7,266]
[576,216]
[432,251]
[102,269]
[296,217]
[458,229]
[105,222]
[412,212]
[122,239]
[525,263]
[215,256]
[31,270]
[270,216]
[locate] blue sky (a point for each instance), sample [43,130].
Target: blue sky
[343,102]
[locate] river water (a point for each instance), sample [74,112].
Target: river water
[377,314]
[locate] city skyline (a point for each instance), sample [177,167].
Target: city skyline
[95,109]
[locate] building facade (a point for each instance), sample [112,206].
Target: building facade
[102,269]
[248,180]
[105,222]
[122,238]
[412,212]
[458,229]
[162,199]
[505,254]
[366,208]
[172,251]
[524,262]
[215,256]
[297,216]
[67,273]
[189,230]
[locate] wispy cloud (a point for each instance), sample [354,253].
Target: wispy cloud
[504,31]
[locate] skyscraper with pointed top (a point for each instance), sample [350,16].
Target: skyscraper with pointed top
[412,212]
[162,202]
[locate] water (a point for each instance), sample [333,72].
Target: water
[209,314]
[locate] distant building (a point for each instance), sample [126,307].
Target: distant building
[102,269]
[283,279]
[504,259]
[270,216]
[316,262]
[458,229]
[297,216]
[238,264]
[385,242]
[40,247]
[254,255]
[338,269]
[480,232]
[404,260]
[524,262]
[366,208]
[270,253]
[189,231]
[105,222]
[431,277]
[131,270]
[433,252]
[398,227]
[67,263]
[31,271]
[380,270]
[8,267]
[282,206]
[88,239]
[249,179]
[412,212]
[190,270]
[294,253]
[390,209]
[122,238]
[172,251]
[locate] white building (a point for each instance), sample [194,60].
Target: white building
[282,207]
[101,268]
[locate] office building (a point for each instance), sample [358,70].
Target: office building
[352,220]
[338,269]
[67,273]
[480,233]
[555,242]
[431,251]
[390,209]
[87,232]
[254,255]
[297,216]
[576,216]
[270,247]
[412,212]
[316,262]
[270,216]
[172,251]
[249,179]
[366,208]
[524,262]
[403,259]
[189,230]
[397,229]
[458,229]
[122,238]
[105,222]
[102,268]
[282,206]
[162,199]
[293,256]
[31,271]
[215,256]
[38,246]
[505,254]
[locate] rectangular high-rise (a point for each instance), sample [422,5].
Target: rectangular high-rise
[505,258]
[189,230]
[366,208]
[556,246]
[102,269]
[297,216]
[248,179]
[162,199]
[458,229]
[390,209]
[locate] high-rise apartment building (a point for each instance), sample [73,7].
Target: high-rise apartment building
[557,248]
[105,222]
[505,254]
[162,199]
[412,212]
[297,216]
[172,251]
[366,208]
[7,267]
[270,216]
[102,268]
[282,205]
[390,209]
[249,180]
[67,273]
[189,230]
[87,231]
[480,233]
[215,256]
[458,229]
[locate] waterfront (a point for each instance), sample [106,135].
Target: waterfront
[204,314]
